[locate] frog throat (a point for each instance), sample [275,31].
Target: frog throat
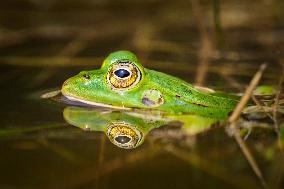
[76,99]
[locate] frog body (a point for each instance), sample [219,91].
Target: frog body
[123,83]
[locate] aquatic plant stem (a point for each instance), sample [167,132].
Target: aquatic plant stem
[209,167]
[236,132]
[238,110]
[206,50]
[220,41]
[275,110]
[258,104]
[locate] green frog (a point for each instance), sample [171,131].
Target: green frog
[123,83]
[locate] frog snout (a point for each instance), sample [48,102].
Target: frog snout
[65,86]
[65,83]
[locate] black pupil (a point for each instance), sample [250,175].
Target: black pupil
[122,73]
[122,139]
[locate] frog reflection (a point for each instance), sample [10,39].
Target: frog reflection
[122,129]
[128,129]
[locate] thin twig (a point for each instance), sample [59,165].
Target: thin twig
[234,83]
[238,110]
[258,104]
[248,155]
[92,173]
[218,27]
[100,160]
[206,49]
[61,151]
[234,117]
[275,111]
[210,167]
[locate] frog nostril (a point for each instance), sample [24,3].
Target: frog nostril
[86,76]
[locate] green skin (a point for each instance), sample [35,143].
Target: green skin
[178,96]
[98,120]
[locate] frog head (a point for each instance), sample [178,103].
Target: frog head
[123,83]
[118,83]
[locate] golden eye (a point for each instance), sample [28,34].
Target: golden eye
[124,135]
[123,75]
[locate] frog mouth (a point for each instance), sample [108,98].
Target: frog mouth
[92,103]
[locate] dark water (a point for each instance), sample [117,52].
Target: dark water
[210,44]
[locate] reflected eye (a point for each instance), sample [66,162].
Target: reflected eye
[123,75]
[122,139]
[124,135]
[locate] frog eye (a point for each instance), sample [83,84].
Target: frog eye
[123,75]
[124,135]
